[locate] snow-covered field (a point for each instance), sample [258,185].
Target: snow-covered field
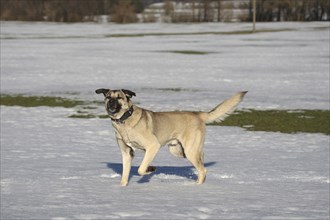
[55,167]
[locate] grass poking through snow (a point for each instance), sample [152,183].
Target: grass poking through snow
[286,121]
[36,101]
[188,52]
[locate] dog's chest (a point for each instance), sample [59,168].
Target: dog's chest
[133,144]
[129,138]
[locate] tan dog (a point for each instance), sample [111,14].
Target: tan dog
[183,132]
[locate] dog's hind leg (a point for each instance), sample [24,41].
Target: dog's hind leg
[176,149]
[194,153]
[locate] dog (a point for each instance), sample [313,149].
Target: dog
[183,132]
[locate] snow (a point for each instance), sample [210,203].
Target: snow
[55,167]
[279,69]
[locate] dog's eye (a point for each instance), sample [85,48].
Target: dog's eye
[119,97]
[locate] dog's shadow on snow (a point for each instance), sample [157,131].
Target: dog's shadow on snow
[182,171]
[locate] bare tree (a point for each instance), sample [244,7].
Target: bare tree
[124,12]
[206,10]
[218,7]
[193,9]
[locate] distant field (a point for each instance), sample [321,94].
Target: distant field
[199,33]
[286,121]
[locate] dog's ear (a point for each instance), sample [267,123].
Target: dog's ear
[128,93]
[104,91]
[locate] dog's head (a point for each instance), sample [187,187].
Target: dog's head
[117,102]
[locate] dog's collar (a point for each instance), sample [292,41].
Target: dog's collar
[125,116]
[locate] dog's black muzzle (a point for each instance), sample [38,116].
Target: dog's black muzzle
[113,106]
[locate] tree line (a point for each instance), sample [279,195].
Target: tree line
[126,11]
[293,10]
[67,10]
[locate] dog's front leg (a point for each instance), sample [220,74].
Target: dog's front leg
[127,157]
[148,158]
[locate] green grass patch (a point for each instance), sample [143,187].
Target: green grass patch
[321,28]
[176,89]
[83,116]
[188,52]
[35,101]
[286,121]
[87,116]
[171,89]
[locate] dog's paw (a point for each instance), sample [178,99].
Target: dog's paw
[123,183]
[151,169]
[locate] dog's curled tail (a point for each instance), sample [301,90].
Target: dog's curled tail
[223,110]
